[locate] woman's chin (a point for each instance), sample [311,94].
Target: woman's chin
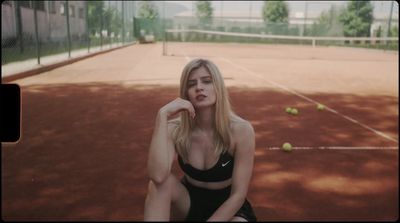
[203,105]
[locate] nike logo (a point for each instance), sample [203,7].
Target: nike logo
[224,164]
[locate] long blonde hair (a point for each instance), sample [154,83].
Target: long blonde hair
[223,112]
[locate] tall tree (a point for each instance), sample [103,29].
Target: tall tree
[328,23]
[95,13]
[204,12]
[357,18]
[394,31]
[147,10]
[112,20]
[275,12]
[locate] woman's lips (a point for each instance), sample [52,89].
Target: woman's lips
[200,97]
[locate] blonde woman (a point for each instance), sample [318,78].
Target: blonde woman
[215,149]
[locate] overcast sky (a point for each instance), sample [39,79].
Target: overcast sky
[294,6]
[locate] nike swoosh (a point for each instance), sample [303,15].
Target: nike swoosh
[224,164]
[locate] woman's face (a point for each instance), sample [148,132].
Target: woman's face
[201,90]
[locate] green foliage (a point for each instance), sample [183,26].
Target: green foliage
[204,12]
[357,18]
[101,17]
[394,31]
[112,21]
[148,19]
[328,24]
[147,10]
[379,32]
[275,12]
[95,10]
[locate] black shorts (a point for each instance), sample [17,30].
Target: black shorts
[204,202]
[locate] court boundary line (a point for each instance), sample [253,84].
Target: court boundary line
[310,100]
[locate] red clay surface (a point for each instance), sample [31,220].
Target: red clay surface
[86,132]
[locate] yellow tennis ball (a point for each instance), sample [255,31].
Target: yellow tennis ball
[320,107]
[287,147]
[289,110]
[294,111]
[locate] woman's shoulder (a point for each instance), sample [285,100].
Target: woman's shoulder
[240,125]
[242,134]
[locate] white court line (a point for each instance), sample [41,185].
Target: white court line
[310,100]
[339,147]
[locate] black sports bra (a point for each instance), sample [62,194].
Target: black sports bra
[221,171]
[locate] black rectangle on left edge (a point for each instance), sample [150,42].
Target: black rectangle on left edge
[10,112]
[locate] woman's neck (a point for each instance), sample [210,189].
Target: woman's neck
[205,119]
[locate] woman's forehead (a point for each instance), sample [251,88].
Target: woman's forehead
[199,72]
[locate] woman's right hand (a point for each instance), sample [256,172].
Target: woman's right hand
[176,106]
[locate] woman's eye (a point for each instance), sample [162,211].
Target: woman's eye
[207,81]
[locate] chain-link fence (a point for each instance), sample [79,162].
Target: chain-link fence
[35,29]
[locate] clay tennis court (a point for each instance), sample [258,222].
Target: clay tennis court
[86,129]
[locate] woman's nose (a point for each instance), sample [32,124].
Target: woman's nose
[199,86]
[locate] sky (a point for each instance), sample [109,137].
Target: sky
[382,7]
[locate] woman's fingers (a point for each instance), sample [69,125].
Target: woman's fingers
[179,105]
[190,108]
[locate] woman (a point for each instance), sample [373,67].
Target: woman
[215,150]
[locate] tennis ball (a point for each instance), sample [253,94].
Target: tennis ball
[288,109]
[287,147]
[294,111]
[320,107]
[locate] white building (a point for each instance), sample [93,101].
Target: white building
[51,19]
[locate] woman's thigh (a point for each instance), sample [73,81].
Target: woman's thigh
[180,201]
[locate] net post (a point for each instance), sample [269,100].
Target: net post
[68,29]
[164,29]
[37,41]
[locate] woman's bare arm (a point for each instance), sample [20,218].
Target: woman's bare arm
[162,151]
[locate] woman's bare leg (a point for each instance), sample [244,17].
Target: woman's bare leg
[160,197]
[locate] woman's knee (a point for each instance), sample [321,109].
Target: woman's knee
[238,219]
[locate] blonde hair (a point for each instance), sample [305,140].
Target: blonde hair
[223,112]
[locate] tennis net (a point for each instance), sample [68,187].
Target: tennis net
[174,36]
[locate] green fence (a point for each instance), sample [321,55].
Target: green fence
[35,29]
